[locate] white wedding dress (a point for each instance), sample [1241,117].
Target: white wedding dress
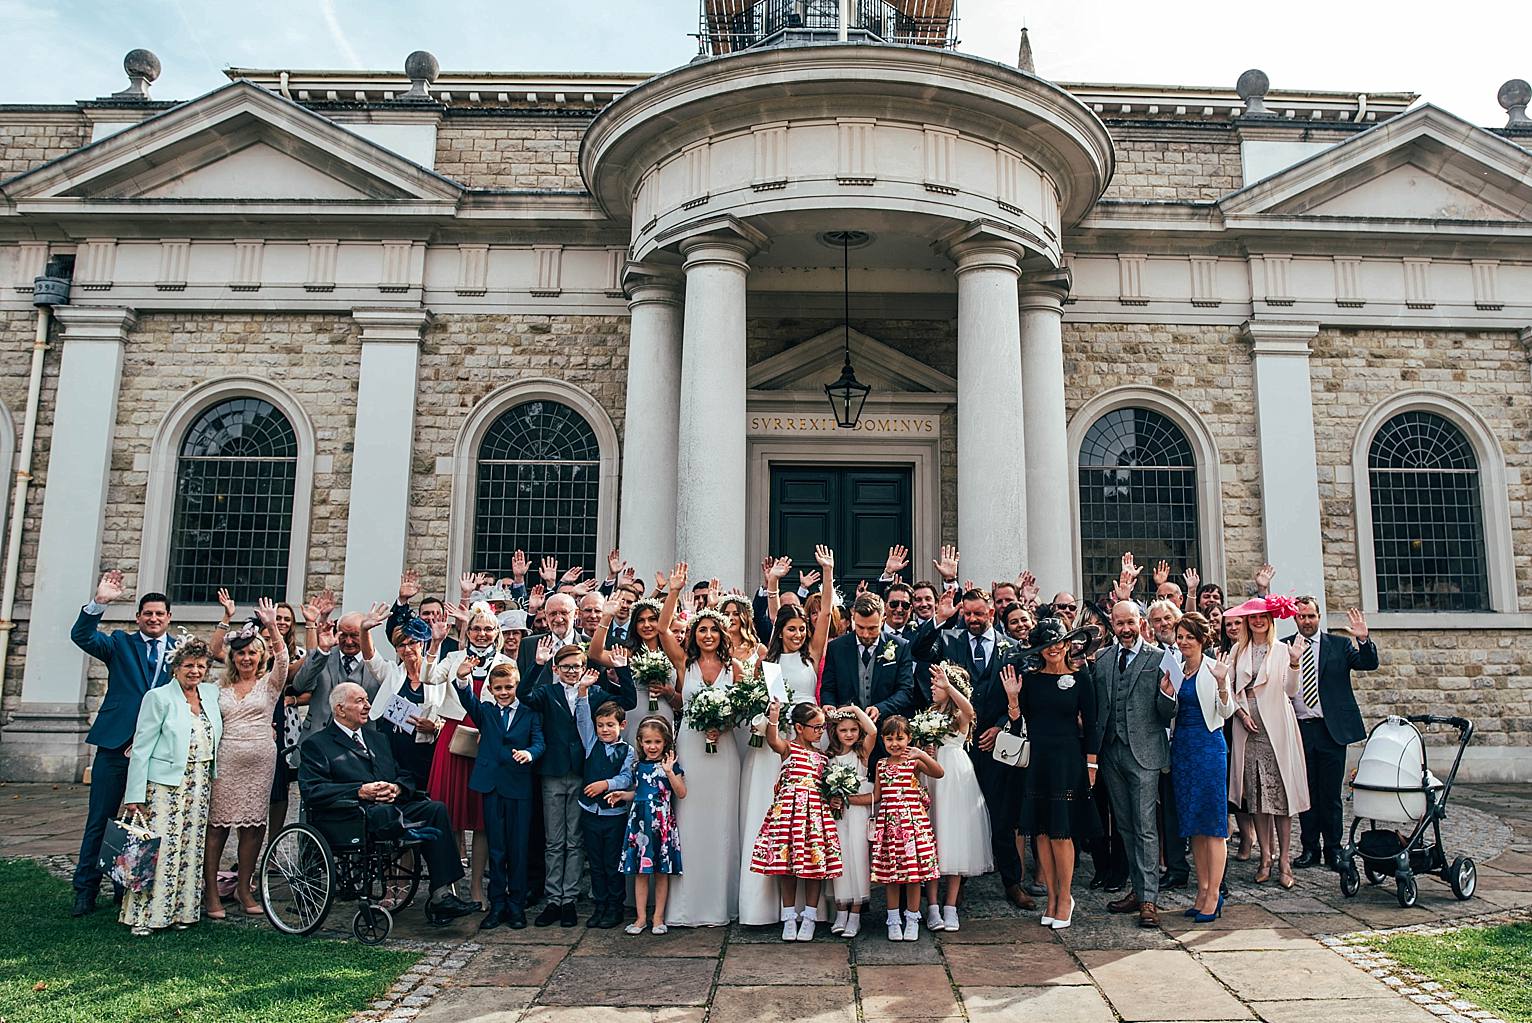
[759,900]
[958,814]
[706,894]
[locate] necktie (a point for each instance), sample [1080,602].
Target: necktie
[978,656]
[1122,660]
[154,658]
[505,719]
[1311,676]
[866,657]
[362,744]
[348,663]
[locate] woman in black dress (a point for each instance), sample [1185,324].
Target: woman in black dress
[1056,807]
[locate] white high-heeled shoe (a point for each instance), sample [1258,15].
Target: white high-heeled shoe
[1059,925]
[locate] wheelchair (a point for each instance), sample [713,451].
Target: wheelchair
[309,865]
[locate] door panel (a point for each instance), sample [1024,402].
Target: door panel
[859,512]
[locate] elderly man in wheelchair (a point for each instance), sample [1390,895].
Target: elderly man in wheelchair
[365,833]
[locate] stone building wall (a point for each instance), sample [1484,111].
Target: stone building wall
[29,144]
[1483,675]
[1174,164]
[517,153]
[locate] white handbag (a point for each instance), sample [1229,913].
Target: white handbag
[1013,750]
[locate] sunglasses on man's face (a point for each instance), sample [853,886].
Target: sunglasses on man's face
[1064,607]
[898,603]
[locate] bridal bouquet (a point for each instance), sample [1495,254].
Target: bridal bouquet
[710,709]
[929,727]
[840,782]
[751,700]
[651,668]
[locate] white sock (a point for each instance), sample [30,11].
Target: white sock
[950,918]
[911,917]
[789,913]
[840,920]
[810,914]
[893,916]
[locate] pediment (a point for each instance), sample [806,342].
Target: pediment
[239,142]
[809,365]
[1423,165]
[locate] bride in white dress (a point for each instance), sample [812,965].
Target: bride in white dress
[706,894]
[792,674]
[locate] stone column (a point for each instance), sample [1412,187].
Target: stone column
[710,462]
[45,740]
[382,443]
[992,485]
[651,422]
[1052,532]
[1284,413]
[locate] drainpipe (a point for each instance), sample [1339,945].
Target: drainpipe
[47,291]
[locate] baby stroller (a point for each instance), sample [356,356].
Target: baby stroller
[1393,784]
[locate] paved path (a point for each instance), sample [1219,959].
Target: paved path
[1262,960]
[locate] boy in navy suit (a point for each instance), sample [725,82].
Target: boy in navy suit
[510,739]
[609,764]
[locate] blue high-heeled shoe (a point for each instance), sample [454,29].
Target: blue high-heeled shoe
[1207,918]
[1190,911]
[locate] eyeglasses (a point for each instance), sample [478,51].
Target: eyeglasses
[897,603]
[575,666]
[1063,607]
[814,728]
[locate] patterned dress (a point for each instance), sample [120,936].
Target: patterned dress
[798,837]
[903,844]
[178,814]
[652,845]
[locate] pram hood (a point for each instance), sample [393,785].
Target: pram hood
[1391,779]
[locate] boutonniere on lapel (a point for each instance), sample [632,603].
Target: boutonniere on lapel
[1003,645]
[890,651]
[1066,682]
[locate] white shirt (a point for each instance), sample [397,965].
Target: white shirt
[354,735]
[988,636]
[571,695]
[1301,710]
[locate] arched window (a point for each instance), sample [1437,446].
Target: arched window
[231,526]
[1138,492]
[538,488]
[1427,516]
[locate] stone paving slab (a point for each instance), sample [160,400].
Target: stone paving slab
[999,932]
[611,1014]
[872,948]
[675,943]
[1254,938]
[1391,1009]
[478,1005]
[804,1004]
[906,993]
[1285,975]
[1012,966]
[787,963]
[1052,1004]
[1154,984]
[511,965]
[617,980]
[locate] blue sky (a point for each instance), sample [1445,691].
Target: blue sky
[1456,55]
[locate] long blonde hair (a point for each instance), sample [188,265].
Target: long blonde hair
[1244,643]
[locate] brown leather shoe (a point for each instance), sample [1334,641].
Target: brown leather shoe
[1019,897]
[1127,904]
[1148,916]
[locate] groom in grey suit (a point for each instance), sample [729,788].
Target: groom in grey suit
[1132,713]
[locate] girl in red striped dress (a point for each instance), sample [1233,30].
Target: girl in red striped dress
[798,840]
[903,842]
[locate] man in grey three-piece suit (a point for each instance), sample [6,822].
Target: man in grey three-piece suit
[1132,712]
[322,672]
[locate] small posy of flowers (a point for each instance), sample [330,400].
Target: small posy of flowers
[649,668]
[710,709]
[841,782]
[751,700]
[930,726]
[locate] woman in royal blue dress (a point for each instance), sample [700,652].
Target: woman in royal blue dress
[1198,772]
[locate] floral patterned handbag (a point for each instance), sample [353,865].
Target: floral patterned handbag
[130,852]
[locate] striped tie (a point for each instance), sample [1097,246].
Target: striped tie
[1310,677]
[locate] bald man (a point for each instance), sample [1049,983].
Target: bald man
[321,673]
[1133,710]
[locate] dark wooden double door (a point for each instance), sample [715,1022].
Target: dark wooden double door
[858,512]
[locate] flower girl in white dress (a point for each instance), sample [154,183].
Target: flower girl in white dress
[959,815]
[852,739]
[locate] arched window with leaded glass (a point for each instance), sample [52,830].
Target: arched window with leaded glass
[1427,516]
[1138,492]
[232,521]
[538,485]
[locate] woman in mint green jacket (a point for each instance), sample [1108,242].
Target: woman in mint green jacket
[170,782]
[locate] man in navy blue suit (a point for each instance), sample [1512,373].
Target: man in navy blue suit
[869,666]
[136,663]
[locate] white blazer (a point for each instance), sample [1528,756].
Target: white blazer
[1214,712]
[444,672]
[391,679]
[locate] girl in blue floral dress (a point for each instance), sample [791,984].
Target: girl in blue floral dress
[652,845]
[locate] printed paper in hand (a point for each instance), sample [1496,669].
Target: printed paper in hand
[398,711]
[1170,664]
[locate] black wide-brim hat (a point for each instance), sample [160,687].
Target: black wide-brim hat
[1083,641]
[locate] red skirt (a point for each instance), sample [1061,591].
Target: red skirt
[449,783]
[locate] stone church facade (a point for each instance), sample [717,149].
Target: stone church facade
[323,326]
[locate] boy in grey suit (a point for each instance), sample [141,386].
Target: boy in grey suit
[1133,711]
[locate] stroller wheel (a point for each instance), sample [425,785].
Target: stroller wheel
[1373,877]
[1463,876]
[1408,891]
[1350,881]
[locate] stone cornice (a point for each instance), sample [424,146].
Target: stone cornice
[1280,337]
[392,325]
[95,323]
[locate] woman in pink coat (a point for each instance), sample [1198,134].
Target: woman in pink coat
[1267,775]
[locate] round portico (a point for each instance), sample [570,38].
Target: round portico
[962,173]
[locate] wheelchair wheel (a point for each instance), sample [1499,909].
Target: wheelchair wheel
[297,880]
[371,924]
[401,879]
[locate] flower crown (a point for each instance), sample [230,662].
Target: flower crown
[958,679]
[839,714]
[734,598]
[650,604]
[713,613]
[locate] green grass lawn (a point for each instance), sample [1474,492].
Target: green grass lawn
[54,968]
[1487,965]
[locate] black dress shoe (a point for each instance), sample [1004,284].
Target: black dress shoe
[494,918]
[84,902]
[516,918]
[1115,884]
[448,907]
[1172,881]
[1310,858]
[1332,860]
[597,915]
[550,915]
[569,916]
[613,918]
[1097,882]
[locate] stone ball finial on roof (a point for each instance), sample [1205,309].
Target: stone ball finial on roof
[142,67]
[422,69]
[1514,97]
[1252,88]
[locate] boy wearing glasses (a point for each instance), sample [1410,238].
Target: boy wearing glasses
[563,768]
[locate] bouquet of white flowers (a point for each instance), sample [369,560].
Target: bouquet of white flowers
[929,727]
[840,782]
[650,668]
[709,709]
[751,700]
